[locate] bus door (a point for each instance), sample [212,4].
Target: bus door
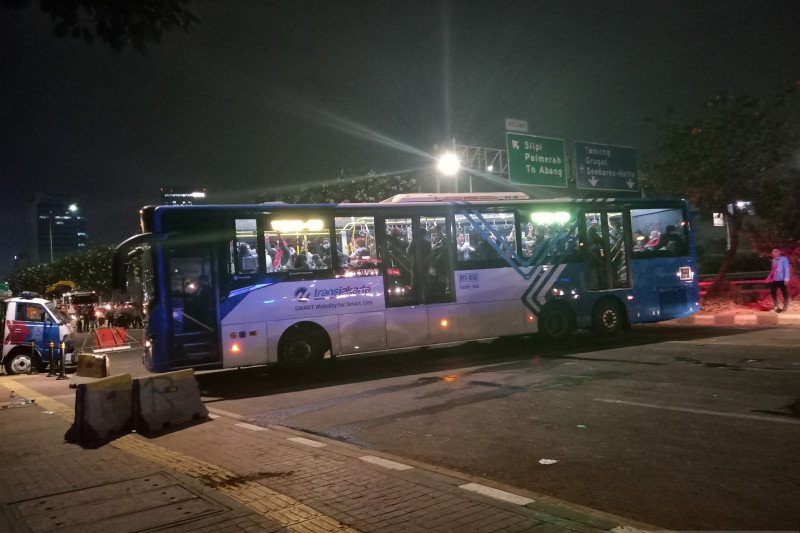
[195,303]
[605,250]
[435,259]
[406,320]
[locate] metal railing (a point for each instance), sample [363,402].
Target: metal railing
[746,283]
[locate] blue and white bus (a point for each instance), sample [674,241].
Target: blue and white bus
[237,285]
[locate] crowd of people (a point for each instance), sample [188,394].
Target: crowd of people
[92,316]
[668,241]
[285,254]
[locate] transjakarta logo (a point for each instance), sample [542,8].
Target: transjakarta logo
[302,294]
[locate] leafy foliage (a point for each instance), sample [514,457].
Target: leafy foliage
[730,154]
[89,270]
[369,187]
[116,23]
[724,156]
[778,223]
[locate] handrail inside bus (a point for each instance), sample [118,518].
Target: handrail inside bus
[123,253]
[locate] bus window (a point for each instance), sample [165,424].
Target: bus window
[244,248]
[356,247]
[658,232]
[549,234]
[398,263]
[472,233]
[298,244]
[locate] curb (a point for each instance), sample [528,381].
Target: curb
[750,319]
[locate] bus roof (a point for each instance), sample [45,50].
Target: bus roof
[455,197]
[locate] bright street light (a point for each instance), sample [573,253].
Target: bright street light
[73,207]
[448,164]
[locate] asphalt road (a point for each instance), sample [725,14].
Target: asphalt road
[686,428]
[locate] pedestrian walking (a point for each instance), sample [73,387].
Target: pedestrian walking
[777,279]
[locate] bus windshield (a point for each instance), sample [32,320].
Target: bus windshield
[62,318]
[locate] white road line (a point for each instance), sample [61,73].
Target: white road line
[225,413]
[250,426]
[307,442]
[212,416]
[497,494]
[704,411]
[385,463]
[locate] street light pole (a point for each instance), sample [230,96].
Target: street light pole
[51,235]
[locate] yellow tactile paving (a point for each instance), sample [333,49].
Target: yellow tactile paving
[284,510]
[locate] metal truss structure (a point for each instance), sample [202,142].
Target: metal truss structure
[488,160]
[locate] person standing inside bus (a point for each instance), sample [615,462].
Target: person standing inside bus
[778,277]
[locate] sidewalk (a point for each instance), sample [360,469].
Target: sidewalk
[740,319]
[225,474]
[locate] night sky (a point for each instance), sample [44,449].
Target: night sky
[266,94]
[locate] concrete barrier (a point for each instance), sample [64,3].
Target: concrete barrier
[92,366]
[166,400]
[103,410]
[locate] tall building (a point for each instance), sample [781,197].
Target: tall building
[56,228]
[183,196]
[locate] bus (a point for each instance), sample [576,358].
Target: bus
[237,285]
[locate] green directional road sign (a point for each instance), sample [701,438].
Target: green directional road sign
[536,160]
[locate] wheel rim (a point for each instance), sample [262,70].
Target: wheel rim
[299,352]
[21,364]
[609,319]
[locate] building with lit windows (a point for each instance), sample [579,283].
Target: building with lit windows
[56,227]
[183,196]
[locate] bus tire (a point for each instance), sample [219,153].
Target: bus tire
[21,362]
[608,317]
[556,321]
[301,348]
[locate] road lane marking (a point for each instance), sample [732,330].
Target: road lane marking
[286,511]
[497,494]
[250,426]
[225,413]
[307,442]
[703,411]
[391,465]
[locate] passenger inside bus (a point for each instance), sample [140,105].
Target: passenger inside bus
[438,263]
[654,242]
[595,266]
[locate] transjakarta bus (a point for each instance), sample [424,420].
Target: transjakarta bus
[236,285]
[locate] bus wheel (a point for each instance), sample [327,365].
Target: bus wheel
[301,348]
[556,322]
[607,317]
[19,363]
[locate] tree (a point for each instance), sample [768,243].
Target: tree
[724,157]
[369,187]
[114,22]
[90,270]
